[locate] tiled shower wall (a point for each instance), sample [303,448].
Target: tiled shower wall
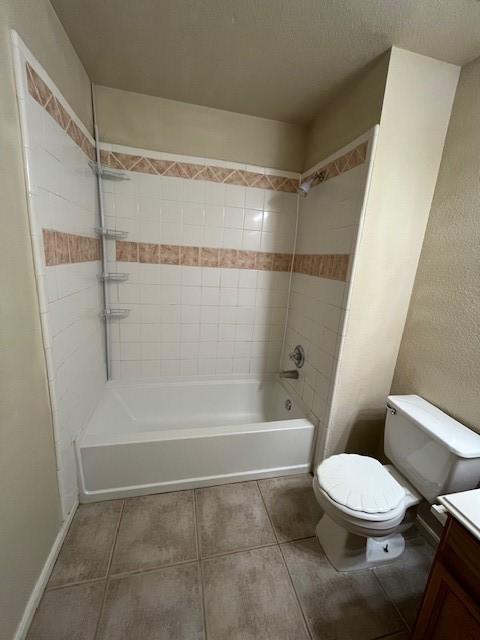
[209,258]
[329,219]
[63,215]
[208,264]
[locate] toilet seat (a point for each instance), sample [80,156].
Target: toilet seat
[346,472]
[360,484]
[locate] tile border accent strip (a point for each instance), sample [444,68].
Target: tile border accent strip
[148,253]
[40,92]
[69,248]
[333,267]
[330,266]
[192,171]
[347,161]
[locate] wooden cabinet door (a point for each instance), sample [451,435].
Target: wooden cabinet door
[447,612]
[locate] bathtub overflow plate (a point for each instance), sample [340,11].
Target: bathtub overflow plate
[288,404]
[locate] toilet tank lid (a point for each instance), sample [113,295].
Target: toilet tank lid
[454,435]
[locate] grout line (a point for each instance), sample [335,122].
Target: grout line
[280,542]
[204,608]
[223,484]
[107,581]
[195,524]
[297,597]
[297,539]
[284,542]
[267,511]
[76,583]
[400,615]
[122,510]
[236,551]
[372,571]
[200,567]
[135,572]
[271,520]
[124,574]
[304,618]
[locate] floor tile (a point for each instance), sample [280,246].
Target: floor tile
[249,596]
[404,580]
[157,605]
[86,551]
[338,606]
[292,506]
[70,613]
[155,531]
[232,517]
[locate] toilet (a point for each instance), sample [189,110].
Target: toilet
[368,506]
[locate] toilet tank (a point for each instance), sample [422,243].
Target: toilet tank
[434,452]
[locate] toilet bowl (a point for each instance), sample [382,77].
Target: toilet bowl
[344,532]
[367,506]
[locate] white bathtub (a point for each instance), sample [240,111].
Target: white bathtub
[163,436]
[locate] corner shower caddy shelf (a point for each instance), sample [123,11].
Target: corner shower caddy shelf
[115,314]
[106,234]
[113,277]
[111,234]
[106,173]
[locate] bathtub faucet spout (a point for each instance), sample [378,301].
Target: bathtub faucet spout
[293,373]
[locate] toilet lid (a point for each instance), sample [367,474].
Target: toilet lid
[359,483]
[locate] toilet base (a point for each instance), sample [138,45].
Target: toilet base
[350,552]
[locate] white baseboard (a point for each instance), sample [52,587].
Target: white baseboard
[39,588]
[428,529]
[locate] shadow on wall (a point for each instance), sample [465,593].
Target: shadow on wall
[356,108]
[365,435]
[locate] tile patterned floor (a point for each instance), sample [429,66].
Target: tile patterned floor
[232,562]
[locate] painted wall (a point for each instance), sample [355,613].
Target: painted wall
[356,109]
[327,226]
[63,209]
[208,265]
[147,122]
[440,352]
[407,158]
[39,27]
[30,501]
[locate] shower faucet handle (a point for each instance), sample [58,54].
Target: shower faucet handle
[298,356]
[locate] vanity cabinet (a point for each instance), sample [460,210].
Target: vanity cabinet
[450,607]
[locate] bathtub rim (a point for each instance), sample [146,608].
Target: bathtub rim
[195,380]
[184,433]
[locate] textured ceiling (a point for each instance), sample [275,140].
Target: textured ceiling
[280,59]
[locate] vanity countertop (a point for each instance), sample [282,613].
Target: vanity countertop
[464,507]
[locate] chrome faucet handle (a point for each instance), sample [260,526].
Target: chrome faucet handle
[298,356]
